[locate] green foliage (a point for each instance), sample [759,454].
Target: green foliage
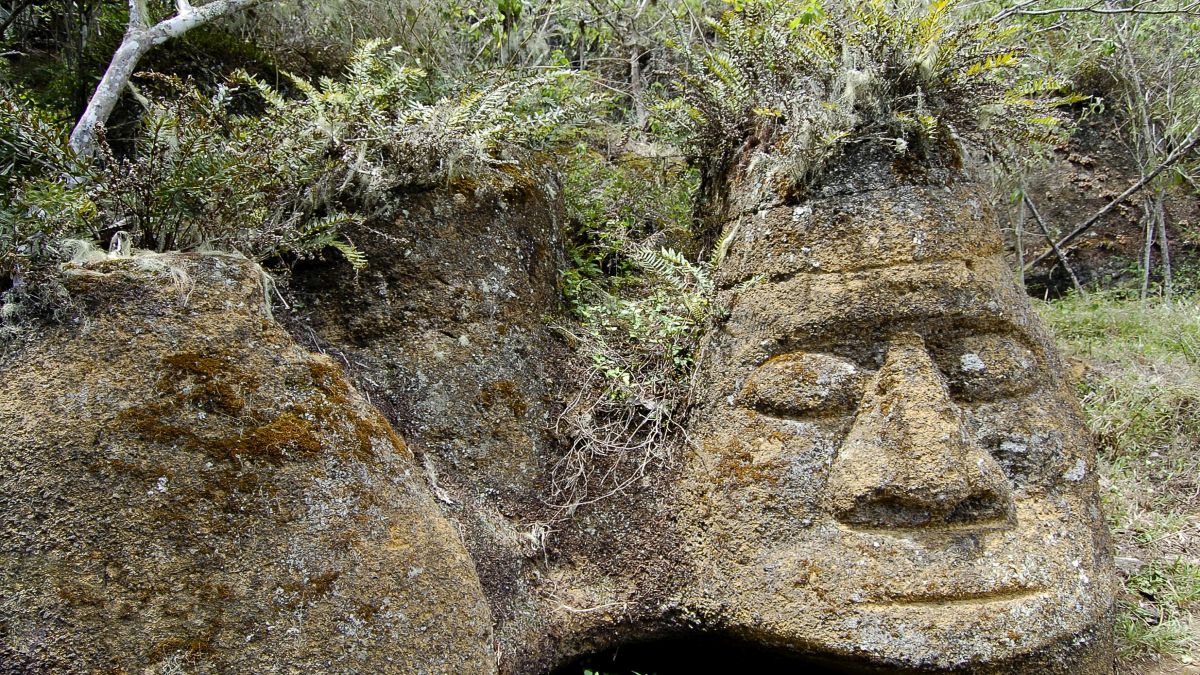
[455,39]
[639,307]
[385,136]
[202,177]
[41,204]
[615,203]
[1155,618]
[284,182]
[806,78]
[32,141]
[1141,394]
[57,51]
[1144,66]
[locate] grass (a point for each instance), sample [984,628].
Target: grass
[1139,376]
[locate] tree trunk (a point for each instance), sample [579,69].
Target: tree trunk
[1164,246]
[1020,232]
[1148,250]
[108,92]
[139,38]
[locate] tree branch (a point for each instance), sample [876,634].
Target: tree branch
[137,41]
[12,15]
[139,15]
[1098,7]
[1062,257]
[1189,143]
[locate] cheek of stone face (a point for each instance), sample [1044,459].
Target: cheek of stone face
[1033,445]
[804,384]
[775,467]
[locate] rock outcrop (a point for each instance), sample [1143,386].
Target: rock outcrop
[185,487]
[887,469]
[448,332]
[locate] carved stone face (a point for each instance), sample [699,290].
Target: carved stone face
[890,466]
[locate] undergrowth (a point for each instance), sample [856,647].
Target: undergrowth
[1140,389]
[638,307]
[788,83]
[280,184]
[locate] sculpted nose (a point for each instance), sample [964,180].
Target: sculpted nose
[907,461]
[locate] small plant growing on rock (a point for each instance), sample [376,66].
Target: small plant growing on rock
[788,83]
[640,346]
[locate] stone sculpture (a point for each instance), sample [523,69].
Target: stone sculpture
[888,469]
[891,468]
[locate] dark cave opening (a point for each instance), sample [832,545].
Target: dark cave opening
[690,655]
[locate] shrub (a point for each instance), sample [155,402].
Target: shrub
[804,78]
[640,308]
[285,182]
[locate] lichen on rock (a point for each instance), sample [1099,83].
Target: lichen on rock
[187,486]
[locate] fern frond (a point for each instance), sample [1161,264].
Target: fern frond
[724,243]
[266,91]
[356,258]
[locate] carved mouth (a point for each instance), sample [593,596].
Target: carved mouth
[933,529]
[957,598]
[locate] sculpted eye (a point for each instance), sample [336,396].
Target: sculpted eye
[801,383]
[987,367]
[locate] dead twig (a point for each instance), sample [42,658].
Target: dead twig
[1098,7]
[1062,256]
[1189,143]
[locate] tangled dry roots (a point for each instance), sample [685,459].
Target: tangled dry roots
[620,427]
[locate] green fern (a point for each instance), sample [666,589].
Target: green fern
[355,257]
[811,78]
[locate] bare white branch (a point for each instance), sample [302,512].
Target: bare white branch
[1029,8]
[139,38]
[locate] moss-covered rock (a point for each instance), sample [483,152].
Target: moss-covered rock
[185,485]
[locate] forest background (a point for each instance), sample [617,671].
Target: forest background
[270,129]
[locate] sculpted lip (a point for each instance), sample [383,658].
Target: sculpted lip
[960,598]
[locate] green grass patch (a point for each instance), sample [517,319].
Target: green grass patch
[1140,390]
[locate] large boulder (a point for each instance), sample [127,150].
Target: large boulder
[448,330]
[186,488]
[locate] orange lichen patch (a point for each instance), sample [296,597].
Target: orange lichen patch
[230,490]
[149,423]
[504,392]
[311,588]
[464,184]
[208,388]
[372,427]
[79,594]
[367,610]
[328,377]
[742,468]
[199,643]
[286,437]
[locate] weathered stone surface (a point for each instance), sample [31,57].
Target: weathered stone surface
[447,331]
[888,470]
[891,468]
[186,487]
